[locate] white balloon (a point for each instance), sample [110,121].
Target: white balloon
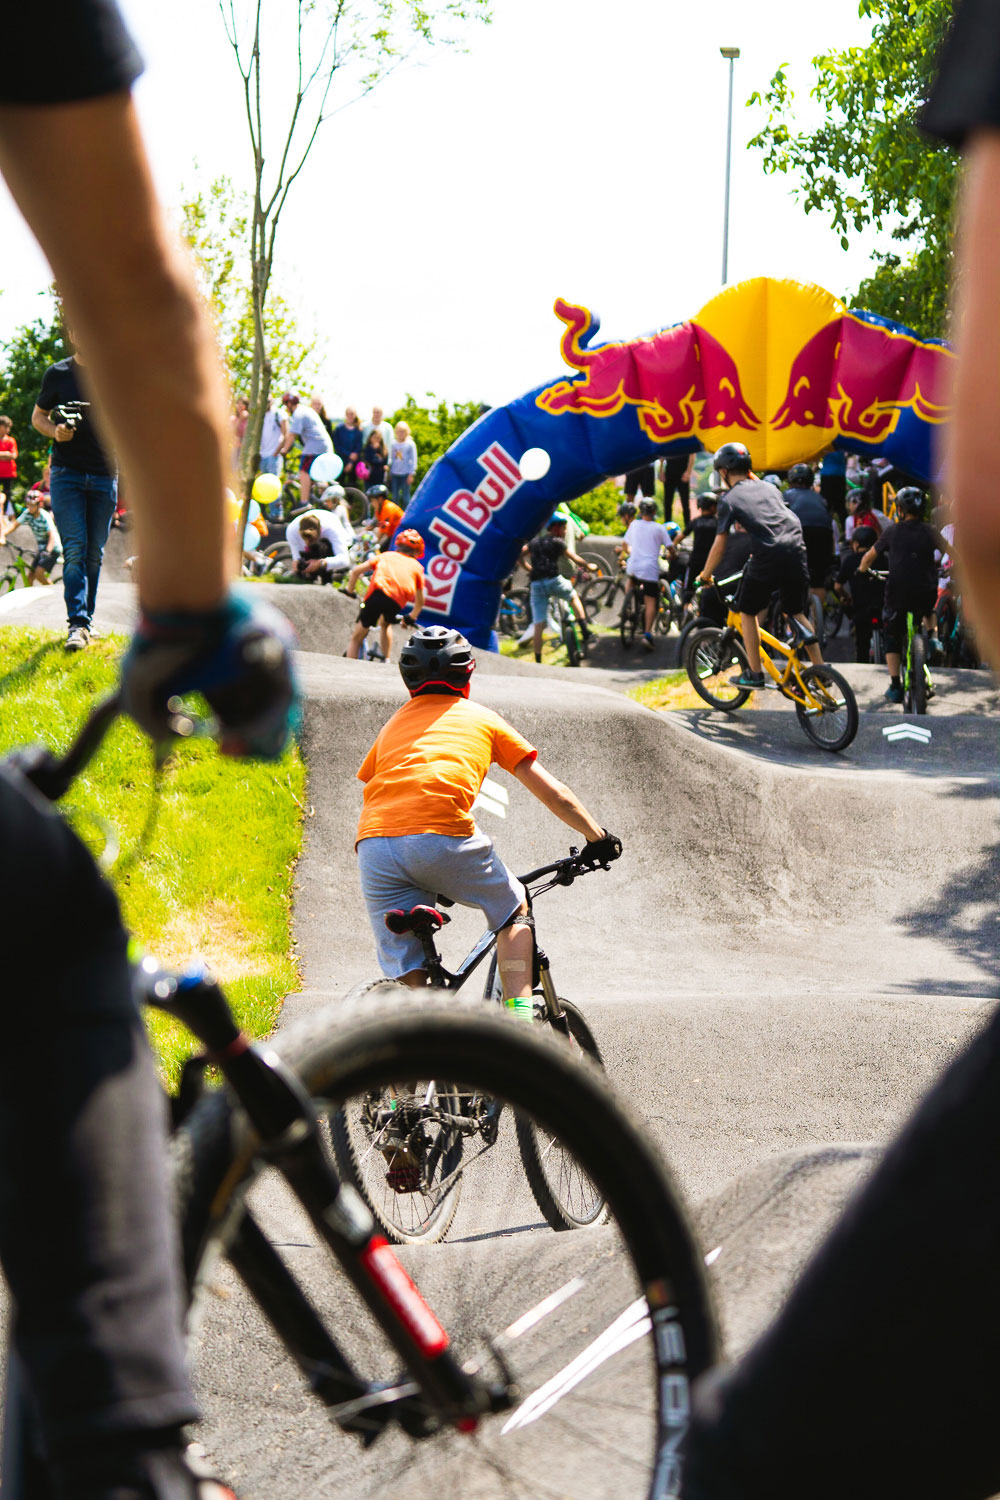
[326,468]
[534,464]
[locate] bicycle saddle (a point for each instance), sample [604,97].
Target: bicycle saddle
[418,919]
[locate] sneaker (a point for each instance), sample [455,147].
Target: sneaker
[935,651]
[894,693]
[647,639]
[79,636]
[748,679]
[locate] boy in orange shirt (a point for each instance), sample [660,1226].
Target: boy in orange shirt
[396,591]
[417,837]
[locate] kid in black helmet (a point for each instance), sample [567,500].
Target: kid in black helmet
[437,660]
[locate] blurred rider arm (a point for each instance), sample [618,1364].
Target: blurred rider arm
[977,388]
[127,289]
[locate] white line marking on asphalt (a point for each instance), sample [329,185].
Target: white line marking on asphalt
[15,599]
[633,1324]
[493,798]
[908,732]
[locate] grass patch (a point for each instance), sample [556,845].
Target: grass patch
[553,651]
[216,879]
[673,690]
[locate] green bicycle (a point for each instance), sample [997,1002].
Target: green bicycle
[20,571]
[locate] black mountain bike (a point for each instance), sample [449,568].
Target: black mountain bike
[407,1155]
[548,1364]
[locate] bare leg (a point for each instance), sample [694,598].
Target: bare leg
[305,486]
[354,644]
[751,640]
[416,979]
[649,604]
[815,654]
[385,637]
[515,951]
[894,662]
[537,632]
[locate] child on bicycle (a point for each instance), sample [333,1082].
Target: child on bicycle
[417,838]
[46,535]
[541,559]
[645,539]
[911,588]
[396,591]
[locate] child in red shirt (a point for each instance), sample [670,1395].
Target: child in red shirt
[8,473]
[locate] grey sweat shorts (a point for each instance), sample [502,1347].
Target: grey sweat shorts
[412,870]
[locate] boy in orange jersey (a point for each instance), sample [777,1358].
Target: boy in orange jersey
[396,591]
[417,837]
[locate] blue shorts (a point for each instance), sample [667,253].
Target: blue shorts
[542,590]
[414,869]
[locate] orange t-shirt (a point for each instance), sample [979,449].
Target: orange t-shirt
[389,517]
[398,576]
[424,771]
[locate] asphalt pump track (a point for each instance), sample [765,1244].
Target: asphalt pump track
[792,945]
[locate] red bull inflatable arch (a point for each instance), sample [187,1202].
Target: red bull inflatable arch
[779,365]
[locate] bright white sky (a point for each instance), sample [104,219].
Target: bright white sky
[576,149]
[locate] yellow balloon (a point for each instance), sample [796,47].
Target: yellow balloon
[266,488]
[233,506]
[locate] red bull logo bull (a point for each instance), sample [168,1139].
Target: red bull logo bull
[680,380]
[857,378]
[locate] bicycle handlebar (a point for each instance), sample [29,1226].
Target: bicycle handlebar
[565,870]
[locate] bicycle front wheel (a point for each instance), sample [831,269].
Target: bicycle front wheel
[713,657]
[602,1332]
[918,674]
[832,722]
[569,632]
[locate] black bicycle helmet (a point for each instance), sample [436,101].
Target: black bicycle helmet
[626,510]
[708,497]
[865,536]
[801,477]
[910,501]
[378,492]
[647,508]
[437,659]
[734,458]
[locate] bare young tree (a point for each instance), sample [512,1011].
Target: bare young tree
[337,52]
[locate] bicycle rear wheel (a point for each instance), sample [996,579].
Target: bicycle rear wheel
[602,1332]
[712,658]
[628,624]
[832,725]
[402,1149]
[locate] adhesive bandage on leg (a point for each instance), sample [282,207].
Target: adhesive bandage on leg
[511,972]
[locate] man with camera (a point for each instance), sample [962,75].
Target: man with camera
[84,490]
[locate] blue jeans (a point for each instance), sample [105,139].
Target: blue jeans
[401,489]
[83,505]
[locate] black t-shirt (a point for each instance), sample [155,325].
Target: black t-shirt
[967,92]
[910,547]
[809,507]
[547,552]
[83,452]
[702,528]
[673,468]
[761,511]
[92,54]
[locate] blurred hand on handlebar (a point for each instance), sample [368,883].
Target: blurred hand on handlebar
[238,657]
[601,851]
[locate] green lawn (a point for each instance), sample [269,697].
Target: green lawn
[216,878]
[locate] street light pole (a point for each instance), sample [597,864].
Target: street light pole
[732,53]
